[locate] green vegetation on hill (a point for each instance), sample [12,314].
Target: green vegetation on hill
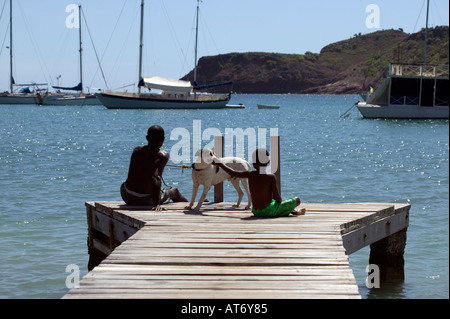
[349,66]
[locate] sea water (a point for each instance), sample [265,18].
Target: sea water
[54,158]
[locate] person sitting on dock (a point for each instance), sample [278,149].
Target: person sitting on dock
[264,191]
[143,185]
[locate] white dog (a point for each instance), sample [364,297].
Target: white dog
[206,174]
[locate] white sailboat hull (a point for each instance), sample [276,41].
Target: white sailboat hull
[403,111]
[150,101]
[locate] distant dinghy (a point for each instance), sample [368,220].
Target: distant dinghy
[266,106]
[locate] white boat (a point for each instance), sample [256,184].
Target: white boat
[161,101]
[24,95]
[267,106]
[165,93]
[411,91]
[72,99]
[172,94]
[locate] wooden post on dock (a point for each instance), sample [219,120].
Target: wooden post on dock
[218,149]
[275,161]
[387,254]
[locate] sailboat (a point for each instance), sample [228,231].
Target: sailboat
[411,91]
[71,99]
[25,95]
[169,93]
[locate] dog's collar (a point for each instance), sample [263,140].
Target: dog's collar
[198,170]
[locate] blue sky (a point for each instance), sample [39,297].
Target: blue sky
[44,47]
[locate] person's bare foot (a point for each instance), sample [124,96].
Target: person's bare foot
[299,212]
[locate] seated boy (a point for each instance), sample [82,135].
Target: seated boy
[264,191]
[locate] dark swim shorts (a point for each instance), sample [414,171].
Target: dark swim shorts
[135,199]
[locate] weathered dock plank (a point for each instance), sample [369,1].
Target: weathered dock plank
[223,252]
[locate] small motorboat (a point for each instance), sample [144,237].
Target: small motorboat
[235,106]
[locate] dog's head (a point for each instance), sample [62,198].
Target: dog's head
[203,159]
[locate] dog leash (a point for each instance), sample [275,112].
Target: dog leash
[183,167]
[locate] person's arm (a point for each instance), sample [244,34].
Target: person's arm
[232,172]
[157,180]
[162,162]
[275,191]
[156,190]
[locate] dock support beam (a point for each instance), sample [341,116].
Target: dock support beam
[387,254]
[386,235]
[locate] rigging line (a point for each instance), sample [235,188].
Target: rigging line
[6,31]
[112,33]
[418,18]
[59,51]
[3,9]
[147,43]
[173,34]
[95,51]
[205,27]
[4,40]
[437,12]
[33,43]
[1,15]
[114,29]
[347,113]
[150,64]
[121,52]
[185,61]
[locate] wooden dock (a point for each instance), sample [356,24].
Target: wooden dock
[227,253]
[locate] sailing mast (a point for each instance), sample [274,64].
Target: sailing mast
[196,43]
[141,44]
[11,79]
[81,50]
[426,35]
